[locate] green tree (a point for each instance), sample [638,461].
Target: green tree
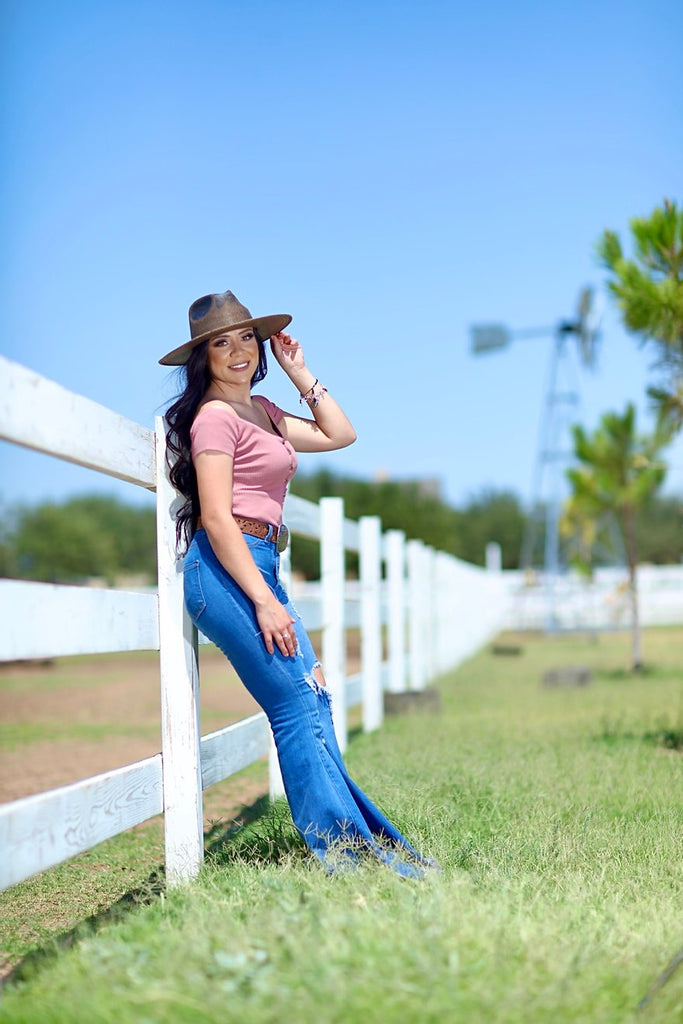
[648,288]
[658,530]
[55,546]
[91,535]
[617,472]
[492,515]
[7,550]
[132,529]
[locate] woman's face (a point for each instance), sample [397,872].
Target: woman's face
[233,356]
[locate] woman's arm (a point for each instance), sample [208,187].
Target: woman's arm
[214,481]
[330,429]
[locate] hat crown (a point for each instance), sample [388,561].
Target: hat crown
[217,312]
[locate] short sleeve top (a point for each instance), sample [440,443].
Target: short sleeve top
[263,463]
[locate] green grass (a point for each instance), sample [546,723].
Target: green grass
[16,734]
[69,671]
[556,815]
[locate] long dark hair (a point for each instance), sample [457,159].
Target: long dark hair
[195,380]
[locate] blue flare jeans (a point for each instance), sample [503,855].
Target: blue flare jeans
[334,816]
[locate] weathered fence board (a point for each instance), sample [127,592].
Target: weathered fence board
[353,690]
[37,413]
[44,620]
[42,830]
[232,748]
[302,517]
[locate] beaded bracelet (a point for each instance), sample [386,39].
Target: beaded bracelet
[311,397]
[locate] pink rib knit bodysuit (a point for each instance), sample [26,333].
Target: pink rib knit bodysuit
[263,463]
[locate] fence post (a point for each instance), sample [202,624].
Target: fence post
[180,733]
[429,613]
[371,635]
[445,622]
[416,597]
[332,580]
[455,602]
[494,557]
[395,561]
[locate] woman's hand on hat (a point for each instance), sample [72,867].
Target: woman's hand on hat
[276,626]
[287,351]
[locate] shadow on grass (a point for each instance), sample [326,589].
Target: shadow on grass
[625,675]
[671,739]
[259,832]
[262,834]
[663,735]
[37,959]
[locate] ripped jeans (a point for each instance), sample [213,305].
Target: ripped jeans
[328,808]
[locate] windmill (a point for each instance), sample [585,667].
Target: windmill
[574,342]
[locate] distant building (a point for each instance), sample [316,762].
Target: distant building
[428,486]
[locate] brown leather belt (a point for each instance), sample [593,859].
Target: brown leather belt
[255,528]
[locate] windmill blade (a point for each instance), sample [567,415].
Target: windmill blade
[485,337]
[590,310]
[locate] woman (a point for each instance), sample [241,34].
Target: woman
[234,454]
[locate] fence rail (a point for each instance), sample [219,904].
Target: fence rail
[448,607]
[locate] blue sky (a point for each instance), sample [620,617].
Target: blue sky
[388,173]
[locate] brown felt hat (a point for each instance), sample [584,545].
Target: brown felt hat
[213,314]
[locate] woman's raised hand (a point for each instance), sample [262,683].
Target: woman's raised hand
[287,351]
[276,626]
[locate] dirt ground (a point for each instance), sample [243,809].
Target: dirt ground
[77,717]
[66,720]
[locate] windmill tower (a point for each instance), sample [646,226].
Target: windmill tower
[574,346]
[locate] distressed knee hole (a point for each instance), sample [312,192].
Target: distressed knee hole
[316,679]
[318,675]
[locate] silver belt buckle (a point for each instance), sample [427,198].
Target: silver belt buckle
[282,539]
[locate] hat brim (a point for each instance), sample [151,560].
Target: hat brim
[265,326]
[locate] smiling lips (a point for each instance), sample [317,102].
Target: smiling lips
[239,366]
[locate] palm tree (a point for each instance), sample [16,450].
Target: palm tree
[648,289]
[618,471]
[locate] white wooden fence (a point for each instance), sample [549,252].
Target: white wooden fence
[446,607]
